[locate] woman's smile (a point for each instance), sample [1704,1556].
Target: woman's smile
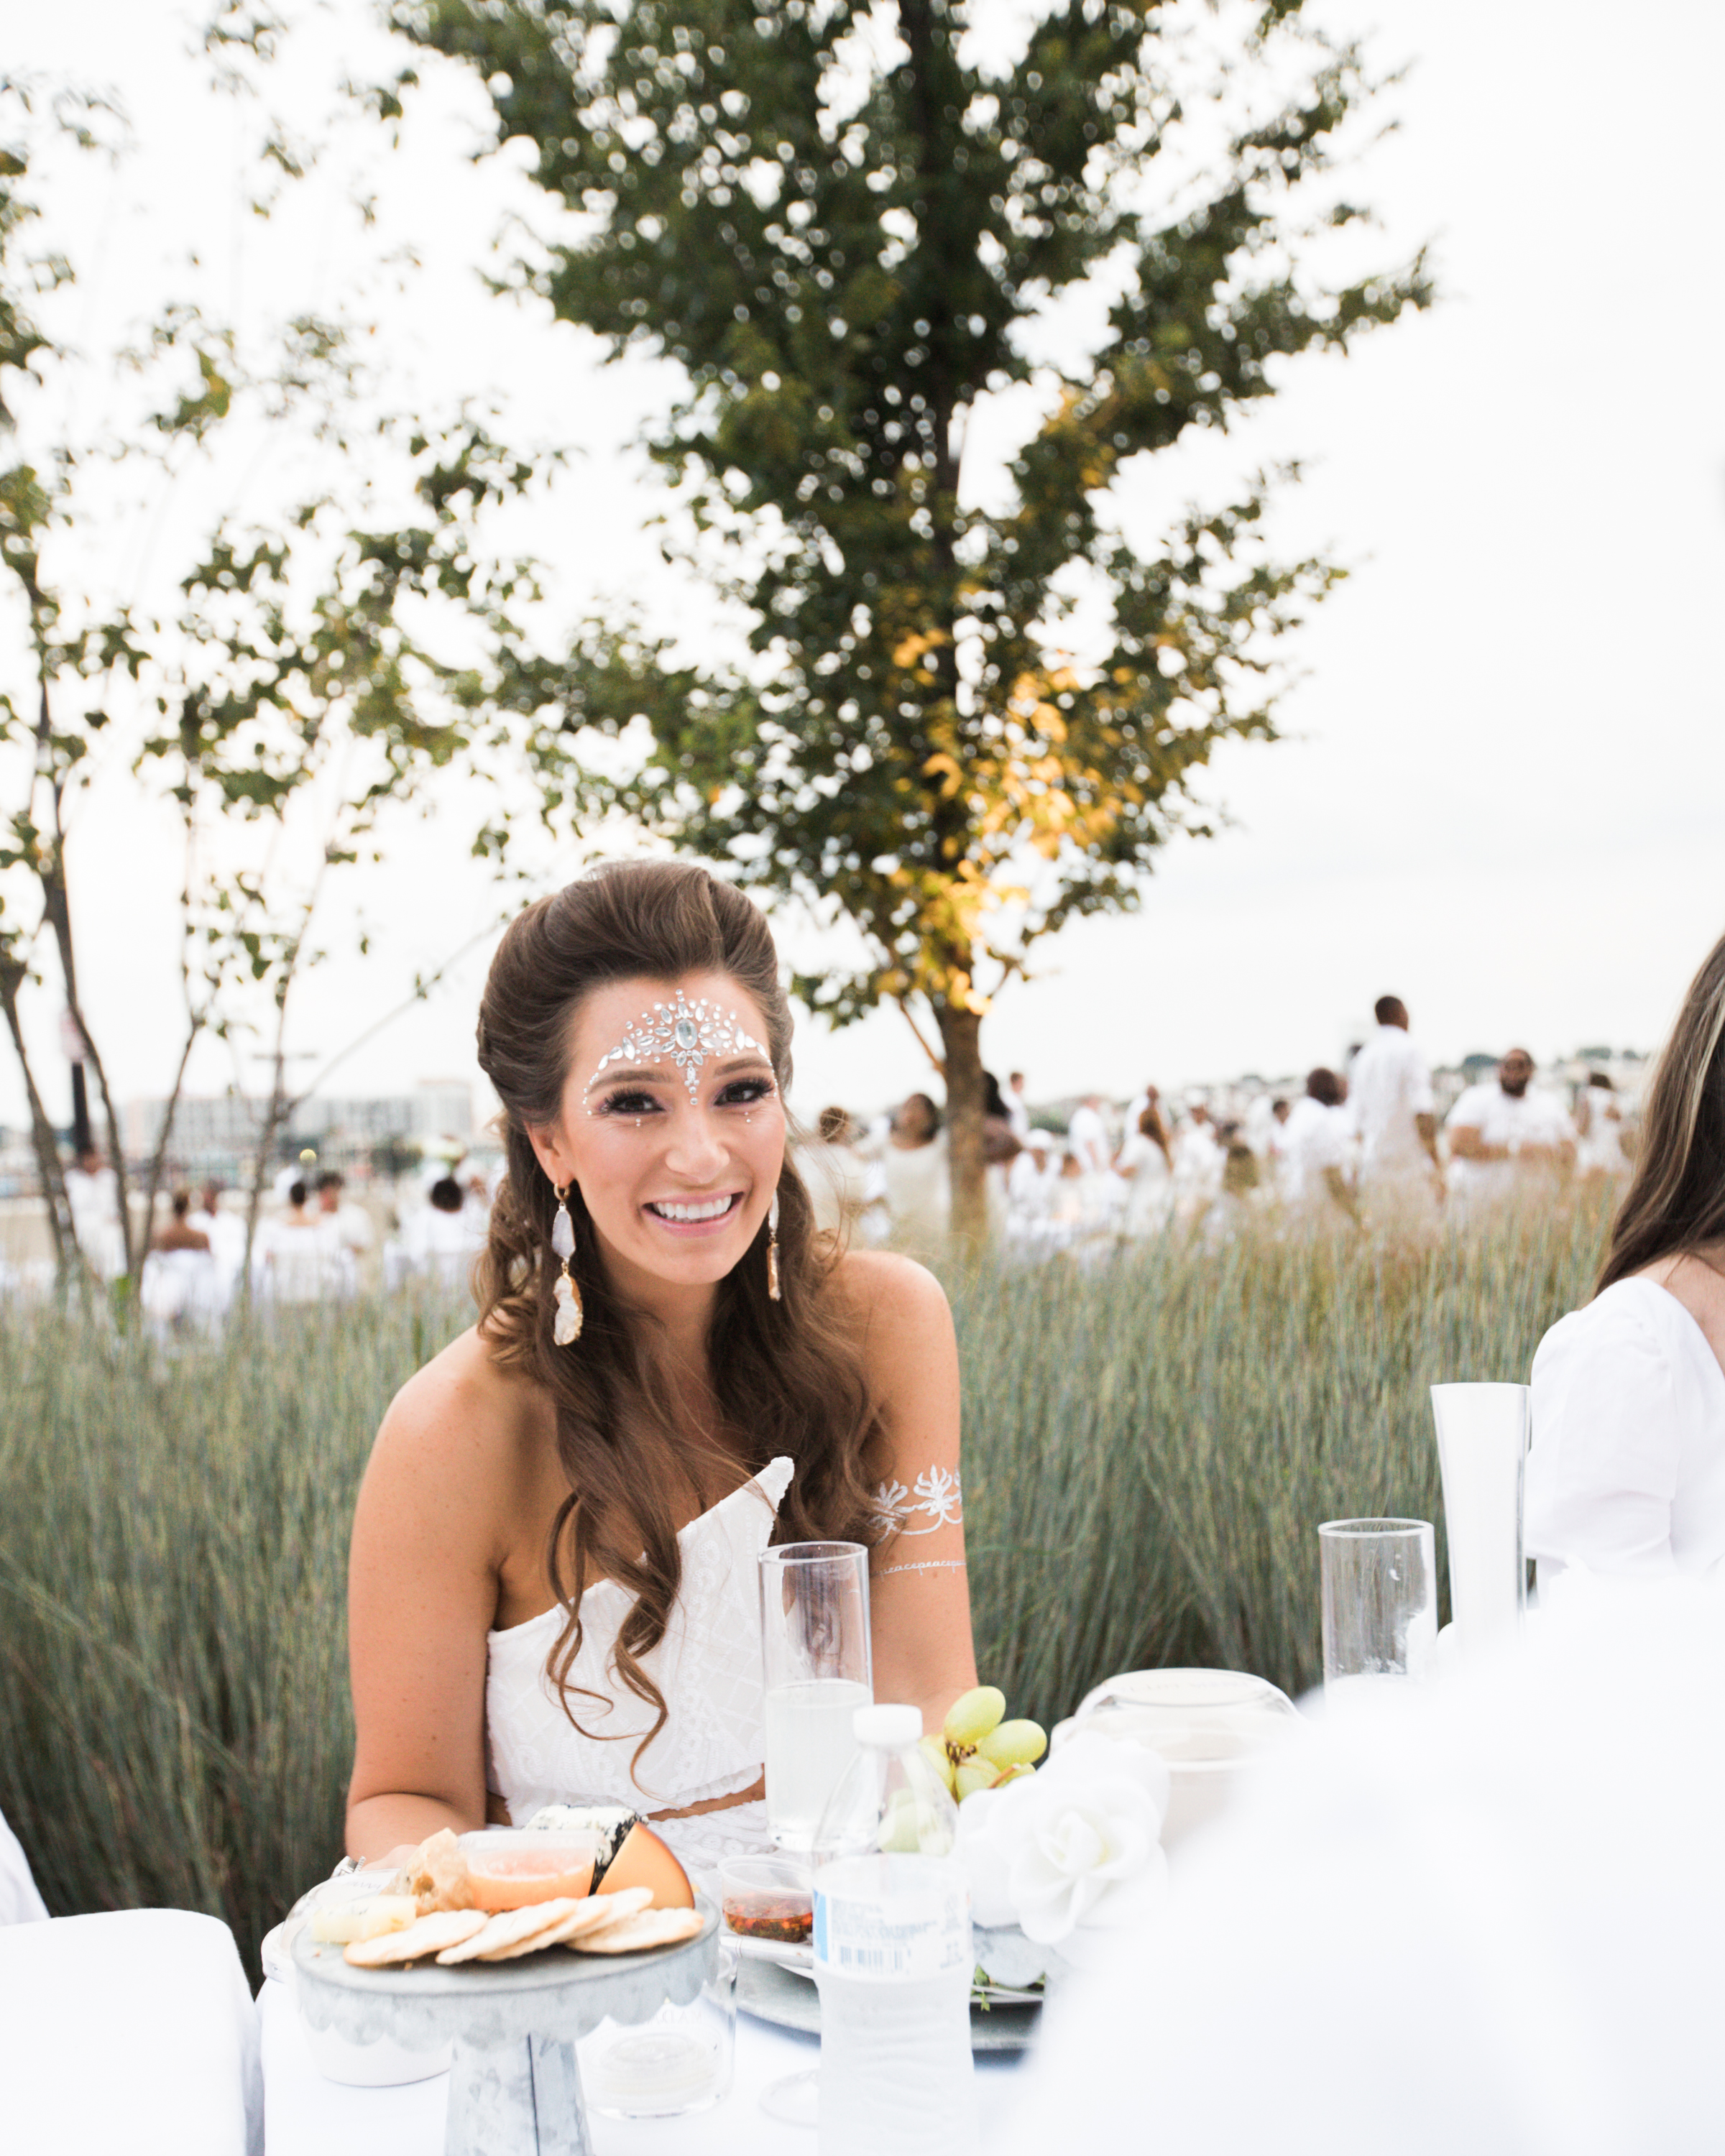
[694,1216]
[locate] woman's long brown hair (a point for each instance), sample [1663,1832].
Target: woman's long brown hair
[788,1375]
[1674,1205]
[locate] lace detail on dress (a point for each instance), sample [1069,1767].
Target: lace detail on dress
[708,1666]
[938,1493]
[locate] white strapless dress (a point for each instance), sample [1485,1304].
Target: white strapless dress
[708,1665]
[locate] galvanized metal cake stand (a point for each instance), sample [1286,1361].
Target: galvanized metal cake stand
[515,2087]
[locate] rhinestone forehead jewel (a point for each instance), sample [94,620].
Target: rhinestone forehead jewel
[688,1033]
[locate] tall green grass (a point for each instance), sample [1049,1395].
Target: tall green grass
[1148,1449]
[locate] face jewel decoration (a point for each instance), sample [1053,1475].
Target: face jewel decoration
[687,1033]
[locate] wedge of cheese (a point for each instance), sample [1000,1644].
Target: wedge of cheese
[345,1923]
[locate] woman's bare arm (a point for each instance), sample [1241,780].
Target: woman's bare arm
[919,1590]
[422,1597]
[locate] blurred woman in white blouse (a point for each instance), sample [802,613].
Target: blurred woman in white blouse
[1627,1470]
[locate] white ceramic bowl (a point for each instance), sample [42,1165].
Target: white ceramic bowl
[1210,1726]
[381,2065]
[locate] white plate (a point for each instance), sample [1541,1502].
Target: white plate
[775,1994]
[799,1961]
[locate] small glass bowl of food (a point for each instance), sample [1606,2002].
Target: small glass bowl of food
[770,1898]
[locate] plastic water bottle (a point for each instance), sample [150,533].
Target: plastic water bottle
[892,1953]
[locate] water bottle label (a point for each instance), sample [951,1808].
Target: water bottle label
[890,1940]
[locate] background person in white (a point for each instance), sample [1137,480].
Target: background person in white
[1199,1162]
[1627,1468]
[1087,1136]
[1314,1150]
[1394,1117]
[1503,1133]
[1599,1124]
[1018,1108]
[349,1225]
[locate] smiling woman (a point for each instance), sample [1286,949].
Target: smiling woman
[553,1590]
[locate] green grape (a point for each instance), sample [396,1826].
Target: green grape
[970,1718]
[933,1837]
[900,1829]
[934,1750]
[974,1775]
[1015,1773]
[1014,1744]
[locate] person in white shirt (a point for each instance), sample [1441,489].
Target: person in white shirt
[93,1192]
[1147,1164]
[1087,1136]
[1314,1151]
[1599,1125]
[1280,1108]
[349,1225]
[1031,1188]
[449,1238]
[1391,1113]
[296,1257]
[1018,1108]
[1260,1128]
[1146,1096]
[1505,1139]
[225,1232]
[919,1189]
[1027,1178]
[1198,1163]
[1626,1473]
[837,1175]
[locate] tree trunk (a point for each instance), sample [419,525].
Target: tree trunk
[961,1038]
[42,1137]
[158,1158]
[57,908]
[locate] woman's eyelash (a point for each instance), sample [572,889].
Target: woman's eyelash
[629,1103]
[744,1092]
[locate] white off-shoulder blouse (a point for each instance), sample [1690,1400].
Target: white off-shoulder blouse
[1626,1471]
[708,1667]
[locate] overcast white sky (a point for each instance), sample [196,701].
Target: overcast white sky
[1501,797]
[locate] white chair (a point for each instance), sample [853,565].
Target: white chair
[131,2030]
[19,1902]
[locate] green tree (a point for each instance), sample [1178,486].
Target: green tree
[318,667]
[962,719]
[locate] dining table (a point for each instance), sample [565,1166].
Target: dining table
[306,2115]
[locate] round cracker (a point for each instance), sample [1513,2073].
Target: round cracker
[652,1927]
[426,1935]
[508,1929]
[592,1915]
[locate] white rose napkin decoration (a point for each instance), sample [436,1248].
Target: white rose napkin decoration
[1074,1852]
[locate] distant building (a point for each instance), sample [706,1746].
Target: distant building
[215,1132]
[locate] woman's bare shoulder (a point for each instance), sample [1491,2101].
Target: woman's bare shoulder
[464,1420]
[909,1352]
[883,1286]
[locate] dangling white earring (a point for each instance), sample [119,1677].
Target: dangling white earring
[565,1326]
[772,1249]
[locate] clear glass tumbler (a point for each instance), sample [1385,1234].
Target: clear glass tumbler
[678,2060]
[1379,1604]
[817,1670]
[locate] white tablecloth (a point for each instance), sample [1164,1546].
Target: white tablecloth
[307,2116]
